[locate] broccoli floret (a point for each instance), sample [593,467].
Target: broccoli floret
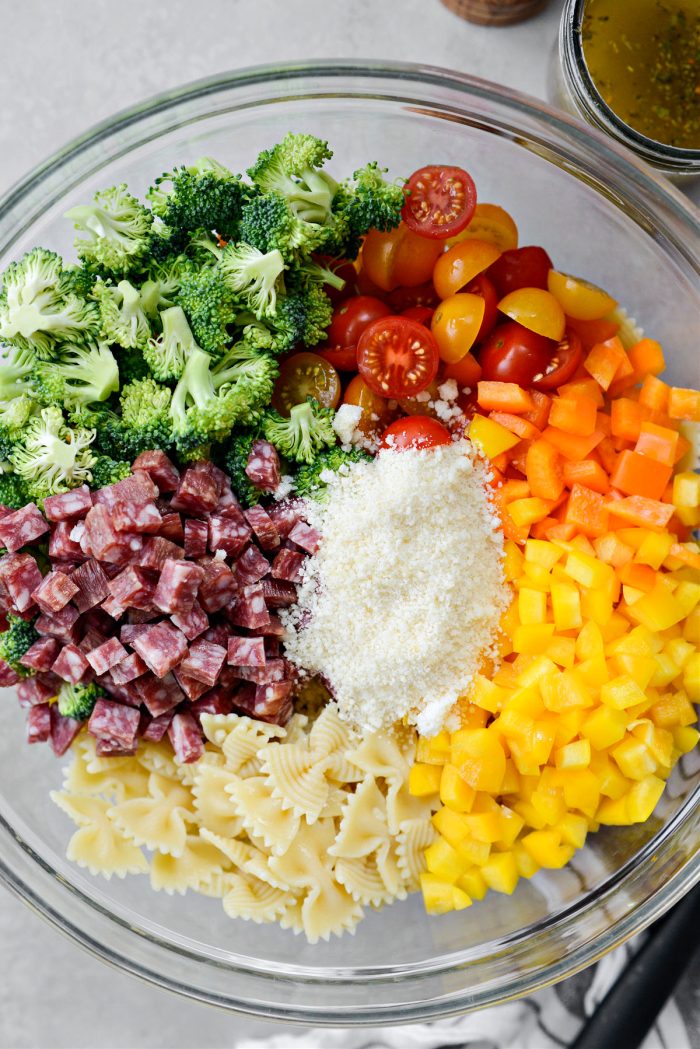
[309,479]
[291,169]
[304,314]
[80,375]
[108,471]
[269,224]
[210,307]
[235,462]
[13,417]
[302,436]
[123,317]
[78,701]
[159,290]
[79,280]
[144,422]
[38,311]
[166,355]
[13,491]
[253,373]
[132,365]
[314,272]
[118,229]
[16,641]
[205,195]
[253,276]
[52,457]
[16,367]
[368,203]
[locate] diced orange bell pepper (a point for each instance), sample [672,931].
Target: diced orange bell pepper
[605,360]
[657,442]
[572,446]
[516,424]
[684,404]
[654,394]
[586,510]
[504,397]
[641,577]
[574,415]
[544,470]
[647,357]
[540,412]
[588,473]
[626,418]
[592,332]
[636,474]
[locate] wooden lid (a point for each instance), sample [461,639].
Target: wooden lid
[495,12]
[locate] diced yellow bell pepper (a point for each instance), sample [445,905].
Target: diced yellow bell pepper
[573,829]
[549,806]
[654,549]
[532,606]
[484,826]
[597,605]
[480,758]
[673,709]
[562,651]
[532,671]
[610,780]
[424,780]
[511,779]
[492,438]
[434,750]
[528,511]
[613,812]
[589,642]
[604,726]
[566,605]
[487,695]
[640,669]
[523,758]
[680,650]
[666,670]
[530,814]
[686,489]
[540,552]
[643,798]
[526,864]
[501,872]
[687,595]
[442,860]
[581,790]
[568,726]
[588,571]
[621,692]
[513,561]
[535,576]
[440,896]
[685,738]
[451,825]
[472,882]
[511,825]
[532,640]
[633,758]
[657,610]
[658,741]
[691,677]
[576,755]
[472,851]
[565,690]
[691,627]
[455,792]
[546,849]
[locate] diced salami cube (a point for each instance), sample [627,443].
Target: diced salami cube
[246,651]
[114,722]
[156,551]
[204,661]
[197,492]
[186,737]
[108,655]
[249,610]
[286,514]
[105,748]
[40,656]
[219,634]
[159,468]
[133,588]
[273,647]
[192,623]
[91,639]
[226,498]
[128,669]
[54,592]
[218,588]
[92,583]
[112,607]
[192,688]
[251,567]
[306,537]
[196,537]
[263,526]
[216,701]
[61,546]
[273,703]
[156,728]
[62,625]
[129,631]
[63,731]
[126,692]
[161,647]
[130,517]
[8,676]
[67,505]
[171,527]
[288,565]
[22,527]
[159,696]
[212,470]
[79,535]
[139,616]
[34,691]
[39,724]
[71,664]
[273,670]
[20,577]
[275,628]
[263,466]
[177,587]
[230,533]
[137,489]
[277,593]
[106,543]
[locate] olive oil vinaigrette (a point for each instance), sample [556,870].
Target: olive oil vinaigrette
[644,59]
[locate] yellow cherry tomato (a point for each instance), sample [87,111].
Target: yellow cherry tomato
[535,309]
[376,413]
[456,324]
[461,264]
[492,223]
[578,298]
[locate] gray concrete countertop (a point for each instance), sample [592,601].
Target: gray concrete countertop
[65,66]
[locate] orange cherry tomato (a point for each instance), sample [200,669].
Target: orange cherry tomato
[376,413]
[465,372]
[461,264]
[535,309]
[420,403]
[399,258]
[305,375]
[493,224]
[591,332]
[418,431]
[578,298]
[456,324]
[343,358]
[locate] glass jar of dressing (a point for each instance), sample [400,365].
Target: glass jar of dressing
[632,68]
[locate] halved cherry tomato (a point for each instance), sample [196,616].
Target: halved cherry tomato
[482,286]
[535,309]
[492,223]
[419,314]
[564,363]
[578,298]
[418,431]
[440,201]
[343,358]
[466,373]
[305,375]
[397,357]
[515,354]
[456,324]
[398,258]
[376,413]
[461,264]
[401,299]
[352,317]
[520,268]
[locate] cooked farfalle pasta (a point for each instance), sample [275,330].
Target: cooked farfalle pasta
[304,826]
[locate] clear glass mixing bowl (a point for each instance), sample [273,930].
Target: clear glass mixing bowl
[600,213]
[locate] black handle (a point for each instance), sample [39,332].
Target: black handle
[626,1014]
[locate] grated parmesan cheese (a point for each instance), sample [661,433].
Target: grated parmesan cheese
[403,598]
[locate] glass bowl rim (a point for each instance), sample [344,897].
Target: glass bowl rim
[681,219]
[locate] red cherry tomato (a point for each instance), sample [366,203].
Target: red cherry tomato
[404,298]
[397,357]
[564,363]
[513,353]
[520,268]
[440,201]
[343,358]
[352,317]
[482,286]
[419,314]
[417,431]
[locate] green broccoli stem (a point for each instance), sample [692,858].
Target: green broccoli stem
[196,385]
